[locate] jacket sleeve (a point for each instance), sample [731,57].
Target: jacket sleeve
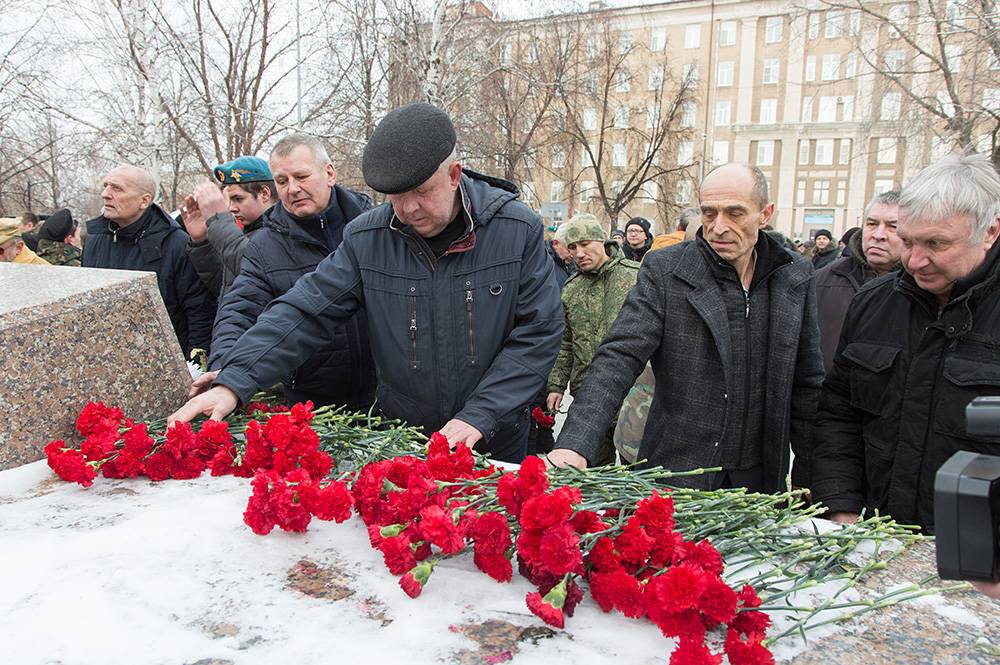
[228,241]
[250,293]
[806,383]
[206,264]
[198,303]
[563,369]
[837,463]
[295,325]
[521,367]
[632,340]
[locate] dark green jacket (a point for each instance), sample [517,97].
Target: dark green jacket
[58,253]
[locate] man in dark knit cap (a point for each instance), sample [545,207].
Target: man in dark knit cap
[638,238]
[826,252]
[452,274]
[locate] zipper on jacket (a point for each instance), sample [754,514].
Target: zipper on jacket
[413,332]
[468,312]
[746,297]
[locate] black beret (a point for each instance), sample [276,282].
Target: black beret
[57,226]
[407,146]
[639,221]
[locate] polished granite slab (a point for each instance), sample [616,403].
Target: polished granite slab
[72,335]
[138,572]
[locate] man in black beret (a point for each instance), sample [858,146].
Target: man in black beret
[58,240]
[453,278]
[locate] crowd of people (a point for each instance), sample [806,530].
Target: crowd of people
[848,365]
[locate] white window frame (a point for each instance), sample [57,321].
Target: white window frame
[692,35]
[810,68]
[831,67]
[720,152]
[768,114]
[725,74]
[803,152]
[824,152]
[772,71]
[723,113]
[891,105]
[827,109]
[556,191]
[886,151]
[619,155]
[773,28]
[655,78]
[845,152]
[657,39]
[589,119]
[834,27]
[765,153]
[727,33]
[688,114]
[622,117]
[685,152]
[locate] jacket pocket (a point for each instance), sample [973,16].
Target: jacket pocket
[965,379]
[484,307]
[871,374]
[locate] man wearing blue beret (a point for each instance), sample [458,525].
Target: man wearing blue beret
[453,279]
[218,235]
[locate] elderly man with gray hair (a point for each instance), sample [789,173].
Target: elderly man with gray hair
[914,351]
[134,233]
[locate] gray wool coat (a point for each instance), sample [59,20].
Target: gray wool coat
[675,318]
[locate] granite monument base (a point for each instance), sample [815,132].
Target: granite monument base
[73,335]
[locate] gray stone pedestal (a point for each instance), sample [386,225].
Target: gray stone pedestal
[73,335]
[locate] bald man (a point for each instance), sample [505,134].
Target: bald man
[729,323]
[134,233]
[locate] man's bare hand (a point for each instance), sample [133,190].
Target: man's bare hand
[210,199]
[553,401]
[459,430]
[217,403]
[843,518]
[991,589]
[562,457]
[193,218]
[202,383]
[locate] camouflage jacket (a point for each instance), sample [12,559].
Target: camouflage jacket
[58,253]
[591,302]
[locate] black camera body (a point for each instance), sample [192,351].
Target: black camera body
[967,503]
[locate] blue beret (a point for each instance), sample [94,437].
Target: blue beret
[407,147]
[242,170]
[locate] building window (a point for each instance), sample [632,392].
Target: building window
[586,191]
[807,109]
[855,22]
[827,109]
[687,114]
[845,151]
[765,153]
[894,60]
[683,195]
[841,192]
[591,83]
[655,77]
[831,67]
[813,25]
[768,111]
[850,65]
[804,151]
[772,29]
[994,61]
[720,152]
[529,160]
[650,190]
[810,68]
[689,73]
[624,42]
[821,192]
[724,77]
[657,39]
[624,81]
[616,188]
[593,45]
[692,36]
[622,117]
[558,159]
[531,55]
[772,68]
[954,12]
[590,119]
[847,115]
[727,33]
[800,192]
[899,17]
[619,156]
[556,192]
[883,186]
[991,98]
[587,156]
[824,152]
[652,115]
[834,23]
[722,113]
[506,54]
[887,151]
[652,154]
[953,57]
[685,153]
[891,104]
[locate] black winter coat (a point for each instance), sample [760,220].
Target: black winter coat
[274,257]
[676,318]
[160,246]
[892,410]
[471,335]
[217,258]
[823,259]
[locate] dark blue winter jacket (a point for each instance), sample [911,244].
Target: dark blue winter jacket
[339,370]
[471,335]
[157,243]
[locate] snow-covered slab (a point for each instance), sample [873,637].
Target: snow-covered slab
[140,572]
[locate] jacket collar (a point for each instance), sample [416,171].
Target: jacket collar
[147,231]
[343,204]
[699,258]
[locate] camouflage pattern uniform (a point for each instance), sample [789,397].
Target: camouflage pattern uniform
[591,302]
[58,253]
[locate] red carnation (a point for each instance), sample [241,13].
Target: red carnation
[491,533]
[617,590]
[138,443]
[685,625]
[544,510]
[749,652]
[587,521]
[97,418]
[69,464]
[748,596]
[122,465]
[559,550]
[718,601]
[633,543]
[496,566]
[438,527]
[413,581]
[302,413]
[750,621]
[549,608]
[99,445]
[677,589]
[655,513]
[397,554]
[602,557]
[544,420]
[329,502]
[157,466]
[693,652]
